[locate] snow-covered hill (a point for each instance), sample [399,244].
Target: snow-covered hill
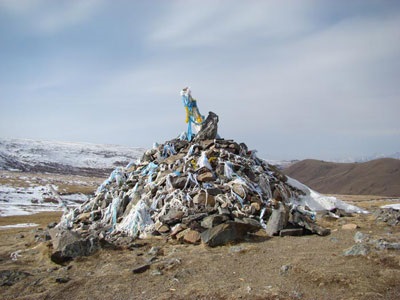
[64,157]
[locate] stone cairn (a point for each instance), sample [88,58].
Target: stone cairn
[210,190]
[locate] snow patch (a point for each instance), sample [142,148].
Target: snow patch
[21,225]
[318,202]
[395,206]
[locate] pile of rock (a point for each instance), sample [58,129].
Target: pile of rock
[209,190]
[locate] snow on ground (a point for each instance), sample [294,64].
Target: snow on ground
[318,202]
[394,206]
[21,225]
[80,155]
[33,199]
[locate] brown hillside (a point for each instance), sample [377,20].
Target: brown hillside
[376,177]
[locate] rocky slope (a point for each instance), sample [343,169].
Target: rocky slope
[376,177]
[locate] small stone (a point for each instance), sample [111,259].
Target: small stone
[62,279]
[154,251]
[237,249]
[156,272]
[350,226]
[51,225]
[284,270]
[141,269]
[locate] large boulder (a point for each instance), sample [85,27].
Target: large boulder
[68,244]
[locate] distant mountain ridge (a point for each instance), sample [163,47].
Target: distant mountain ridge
[374,156]
[64,157]
[375,177]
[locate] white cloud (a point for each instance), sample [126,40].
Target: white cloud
[191,24]
[48,17]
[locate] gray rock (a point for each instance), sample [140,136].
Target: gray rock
[252,222]
[194,217]
[209,128]
[178,182]
[384,245]
[9,277]
[303,220]
[68,245]
[172,217]
[360,237]
[213,220]
[357,249]
[277,221]
[226,233]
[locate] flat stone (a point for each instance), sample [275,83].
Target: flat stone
[192,237]
[213,220]
[226,233]
[357,249]
[349,226]
[181,234]
[176,229]
[252,222]
[172,217]
[204,199]
[62,279]
[163,229]
[214,191]
[195,217]
[206,176]
[141,269]
[291,232]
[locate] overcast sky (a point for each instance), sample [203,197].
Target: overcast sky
[292,79]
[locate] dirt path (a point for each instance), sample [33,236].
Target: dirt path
[307,267]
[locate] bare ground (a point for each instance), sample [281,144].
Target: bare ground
[307,267]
